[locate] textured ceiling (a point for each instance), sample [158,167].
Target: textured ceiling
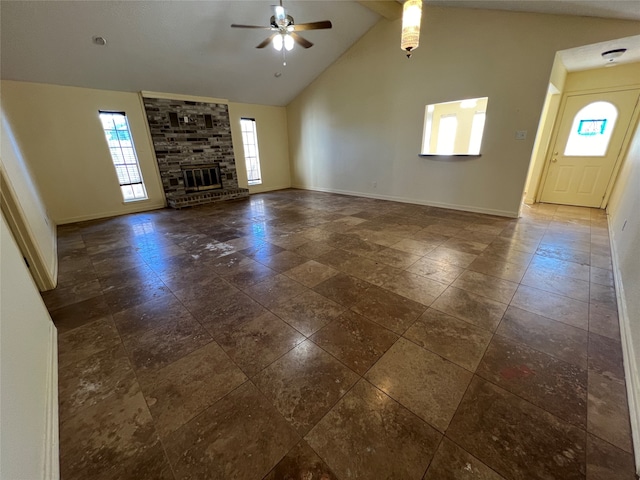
[187,47]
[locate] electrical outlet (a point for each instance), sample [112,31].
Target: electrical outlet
[521,134]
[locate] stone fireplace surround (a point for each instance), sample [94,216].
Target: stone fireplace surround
[189,134]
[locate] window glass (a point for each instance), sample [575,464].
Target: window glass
[123,155]
[251,154]
[591,130]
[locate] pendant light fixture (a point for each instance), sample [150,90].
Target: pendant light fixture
[411,18]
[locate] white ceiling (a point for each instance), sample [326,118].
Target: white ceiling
[590,56]
[188,47]
[184,47]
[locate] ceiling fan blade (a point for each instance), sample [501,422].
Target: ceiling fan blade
[312,26]
[303,42]
[267,41]
[235,25]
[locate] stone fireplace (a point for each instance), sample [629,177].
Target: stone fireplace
[192,142]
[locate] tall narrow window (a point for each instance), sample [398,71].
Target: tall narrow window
[123,154]
[251,155]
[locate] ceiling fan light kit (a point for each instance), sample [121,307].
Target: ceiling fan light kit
[285,30]
[411,19]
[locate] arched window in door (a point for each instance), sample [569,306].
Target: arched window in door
[591,130]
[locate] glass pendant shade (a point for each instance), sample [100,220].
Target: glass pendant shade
[288,42]
[277,42]
[411,18]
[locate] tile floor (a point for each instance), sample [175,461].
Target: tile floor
[302,335]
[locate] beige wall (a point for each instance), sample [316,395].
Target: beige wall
[624,225]
[360,123]
[35,224]
[607,77]
[28,372]
[273,145]
[62,141]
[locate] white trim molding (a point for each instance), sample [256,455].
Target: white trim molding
[631,372]
[51,440]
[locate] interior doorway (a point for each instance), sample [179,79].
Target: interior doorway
[587,146]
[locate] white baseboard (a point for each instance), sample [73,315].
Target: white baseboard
[125,211]
[631,371]
[269,188]
[51,441]
[393,198]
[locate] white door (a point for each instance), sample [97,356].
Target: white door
[587,146]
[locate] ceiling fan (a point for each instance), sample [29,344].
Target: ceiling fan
[285,30]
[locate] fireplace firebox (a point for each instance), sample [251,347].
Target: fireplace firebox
[201,177]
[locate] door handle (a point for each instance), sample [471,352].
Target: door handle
[554,160]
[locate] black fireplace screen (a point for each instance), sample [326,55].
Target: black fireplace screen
[201,178]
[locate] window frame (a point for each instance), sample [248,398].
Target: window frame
[130,167]
[248,157]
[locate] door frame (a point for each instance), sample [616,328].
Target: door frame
[623,147]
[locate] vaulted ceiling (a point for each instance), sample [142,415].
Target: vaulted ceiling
[188,47]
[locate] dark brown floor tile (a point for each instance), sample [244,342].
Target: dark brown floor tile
[480,311]
[456,340]
[94,378]
[605,357]
[606,462]
[369,435]
[229,312]
[249,274]
[201,299]
[78,314]
[355,341]
[156,313]
[453,463]
[114,438]
[562,252]
[275,290]
[436,270]
[125,289]
[82,342]
[601,260]
[515,438]
[312,249]
[180,391]
[261,251]
[509,254]
[553,338]
[388,309]
[283,261]
[512,272]
[607,411]
[486,286]
[452,257]
[63,296]
[551,282]
[343,289]
[304,384]
[394,258]
[301,463]
[240,436]
[560,267]
[556,386]
[601,276]
[415,287]
[311,273]
[563,309]
[259,342]
[604,321]
[155,348]
[416,247]
[465,245]
[307,312]
[423,382]
[603,296]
